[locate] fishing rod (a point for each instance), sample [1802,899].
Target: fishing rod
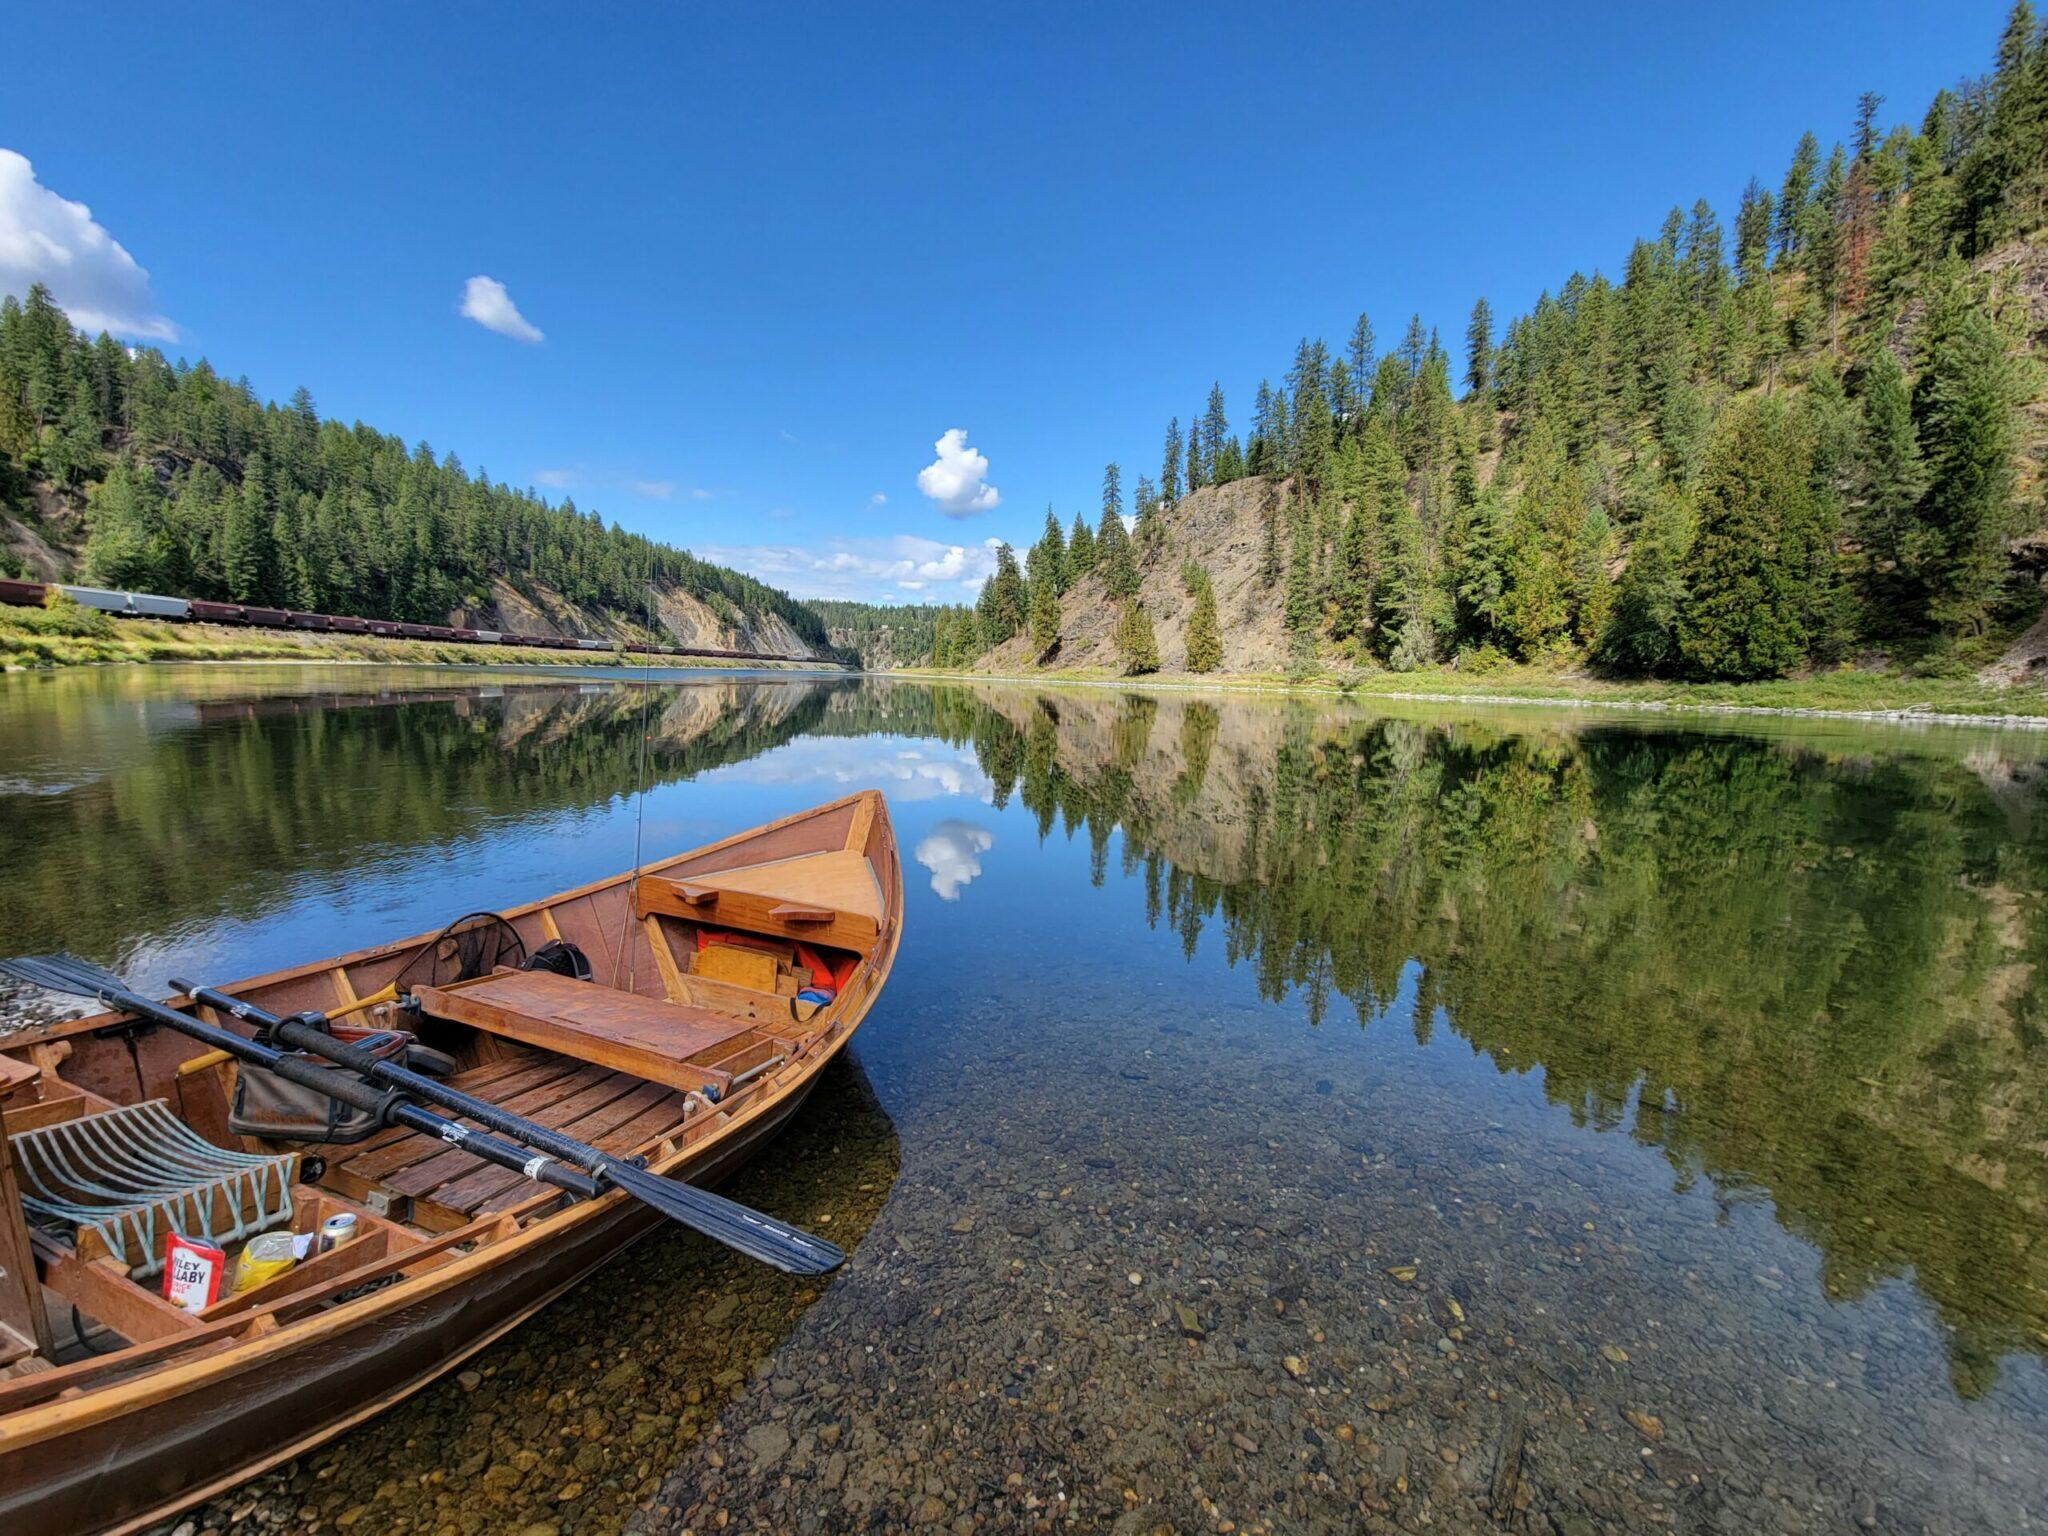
[386,1091]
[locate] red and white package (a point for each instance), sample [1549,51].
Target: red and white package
[193,1272]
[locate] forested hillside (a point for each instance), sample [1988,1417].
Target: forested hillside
[1809,439]
[122,468]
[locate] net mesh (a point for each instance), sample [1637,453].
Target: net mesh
[470,946]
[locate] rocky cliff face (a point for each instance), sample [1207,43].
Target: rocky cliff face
[879,650]
[1223,528]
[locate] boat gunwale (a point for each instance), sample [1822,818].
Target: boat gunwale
[149,1382]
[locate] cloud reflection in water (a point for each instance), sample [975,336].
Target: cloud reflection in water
[952,852]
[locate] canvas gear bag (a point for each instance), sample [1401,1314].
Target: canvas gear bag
[266,1105]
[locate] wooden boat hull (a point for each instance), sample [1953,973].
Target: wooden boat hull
[118,1456]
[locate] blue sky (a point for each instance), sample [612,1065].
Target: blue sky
[766,257]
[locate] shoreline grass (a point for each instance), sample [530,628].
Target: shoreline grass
[37,639]
[34,639]
[1845,693]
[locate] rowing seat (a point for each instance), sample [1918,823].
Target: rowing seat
[677,1044]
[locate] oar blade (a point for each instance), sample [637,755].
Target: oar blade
[757,1235]
[63,973]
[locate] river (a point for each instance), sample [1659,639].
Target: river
[1284,1116]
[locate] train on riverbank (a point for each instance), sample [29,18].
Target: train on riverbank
[149,605]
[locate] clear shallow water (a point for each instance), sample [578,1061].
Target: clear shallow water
[1587,1125]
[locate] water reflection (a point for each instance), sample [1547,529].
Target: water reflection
[1808,974]
[1511,1073]
[122,810]
[952,851]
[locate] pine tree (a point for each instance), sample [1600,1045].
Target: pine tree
[1196,461]
[248,555]
[1479,349]
[1145,503]
[1889,471]
[1796,195]
[1302,609]
[1543,522]
[126,544]
[1045,619]
[1113,556]
[1963,404]
[1358,356]
[1169,469]
[1003,603]
[1753,233]
[1641,636]
[1215,435]
[1262,452]
[1112,496]
[1357,550]
[1748,574]
[1048,559]
[1312,437]
[1081,551]
[1135,642]
[2003,177]
[1205,634]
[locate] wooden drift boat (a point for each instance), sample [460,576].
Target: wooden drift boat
[687,1045]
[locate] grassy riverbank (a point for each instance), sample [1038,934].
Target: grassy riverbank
[1848,692]
[34,638]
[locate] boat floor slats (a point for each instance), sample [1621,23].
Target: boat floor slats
[492,1082]
[412,1147]
[446,1163]
[408,1147]
[661,1118]
[476,1188]
[612,1110]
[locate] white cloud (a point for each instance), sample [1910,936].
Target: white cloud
[701,493]
[557,479]
[956,482]
[869,569]
[653,490]
[952,852]
[485,301]
[878,500]
[51,240]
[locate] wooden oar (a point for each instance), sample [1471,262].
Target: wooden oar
[379,1088]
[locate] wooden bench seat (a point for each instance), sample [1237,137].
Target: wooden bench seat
[822,898]
[662,1042]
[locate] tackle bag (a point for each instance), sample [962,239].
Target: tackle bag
[266,1105]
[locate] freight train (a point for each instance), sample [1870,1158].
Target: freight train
[148,605]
